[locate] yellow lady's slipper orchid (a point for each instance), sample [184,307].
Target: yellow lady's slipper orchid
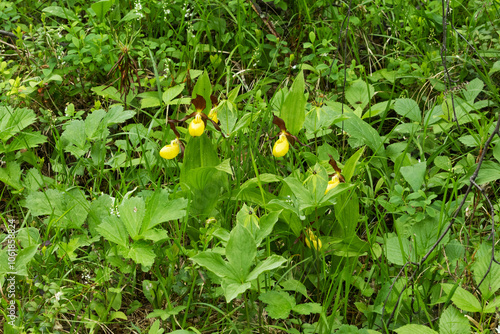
[213,115]
[170,151]
[311,238]
[333,183]
[197,126]
[281,146]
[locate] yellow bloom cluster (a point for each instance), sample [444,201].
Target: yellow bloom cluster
[312,239]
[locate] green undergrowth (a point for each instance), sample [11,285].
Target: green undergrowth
[308,175]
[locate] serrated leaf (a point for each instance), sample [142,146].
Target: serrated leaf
[307,308]
[491,283]
[94,127]
[161,209]
[453,322]
[117,115]
[13,121]
[75,138]
[11,175]
[280,303]
[132,212]
[112,229]
[473,89]
[415,329]
[26,139]
[463,299]
[142,253]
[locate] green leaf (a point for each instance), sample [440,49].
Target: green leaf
[117,115]
[69,248]
[408,108]
[142,253]
[351,163]
[28,236]
[359,94]
[23,258]
[150,102]
[307,308]
[463,299]
[132,212]
[132,15]
[495,68]
[363,131]
[414,174]
[272,262]
[347,214]
[481,266]
[26,139]
[266,225]
[397,255]
[66,209]
[453,322]
[316,183]
[376,109]
[117,315]
[172,92]
[112,229]
[233,288]
[99,210]
[94,127]
[60,12]
[302,194]
[473,89]
[293,109]
[492,306]
[11,175]
[489,172]
[74,138]
[241,251]
[13,121]
[160,209]
[247,217]
[443,162]
[214,262]
[295,286]
[100,8]
[155,235]
[415,329]
[280,303]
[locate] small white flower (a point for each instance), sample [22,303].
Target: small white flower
[58,295]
